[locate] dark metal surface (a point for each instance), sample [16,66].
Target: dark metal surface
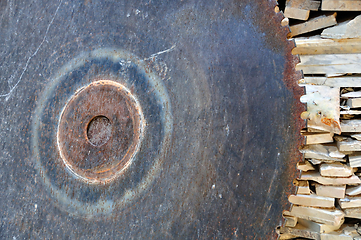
[208,116]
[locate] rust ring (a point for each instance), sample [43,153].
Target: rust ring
[100,131]
[138,167]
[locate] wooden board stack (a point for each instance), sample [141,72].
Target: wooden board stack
[327,204]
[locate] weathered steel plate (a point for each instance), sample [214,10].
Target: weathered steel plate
[201,143]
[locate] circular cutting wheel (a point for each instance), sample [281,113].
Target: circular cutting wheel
[145,119]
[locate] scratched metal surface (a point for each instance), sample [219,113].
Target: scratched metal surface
[216,84]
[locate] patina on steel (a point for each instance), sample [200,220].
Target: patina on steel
[218,90]
[100,131]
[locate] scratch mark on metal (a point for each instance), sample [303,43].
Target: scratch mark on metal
[161,52]
[269,197]
[7,95]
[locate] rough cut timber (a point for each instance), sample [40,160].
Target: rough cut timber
[351,229]
[353,212]
[341,5]
[331,191]
[312,130]
[291,221]
[323,111]
[350,126]
[350,202]
[318,227]
[303,187]
[296,13]
[353,191]
[318,45]
[350,29]
[354,102]
[335,170]
[348,81]
[312,25]
[346,232]
[340,138]
[348,95]
[300,183]
[315,176]
[314,138]
[351,112]
[305,166]
[300,9]
[312,230]
[356,136]
[349,145]
[321,151]
[335,236]
[325,216]
[282,235]
[304,190]
[336,54]
[353,125]
[305,232]
[354,161]
[312,200]
[299,231]
[319,161]
[314,157]
[329,59]
[330,64]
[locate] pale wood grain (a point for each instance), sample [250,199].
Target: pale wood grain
[341,5]
[312,25]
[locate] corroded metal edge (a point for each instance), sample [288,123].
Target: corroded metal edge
[291,76]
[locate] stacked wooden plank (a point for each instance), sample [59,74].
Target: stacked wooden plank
[327,204]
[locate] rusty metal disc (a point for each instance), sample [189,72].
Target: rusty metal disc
[99,131]
[145,119]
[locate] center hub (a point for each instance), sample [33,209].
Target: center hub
[99,131]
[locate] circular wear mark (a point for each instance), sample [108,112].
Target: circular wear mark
[123,180]
[99,131]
